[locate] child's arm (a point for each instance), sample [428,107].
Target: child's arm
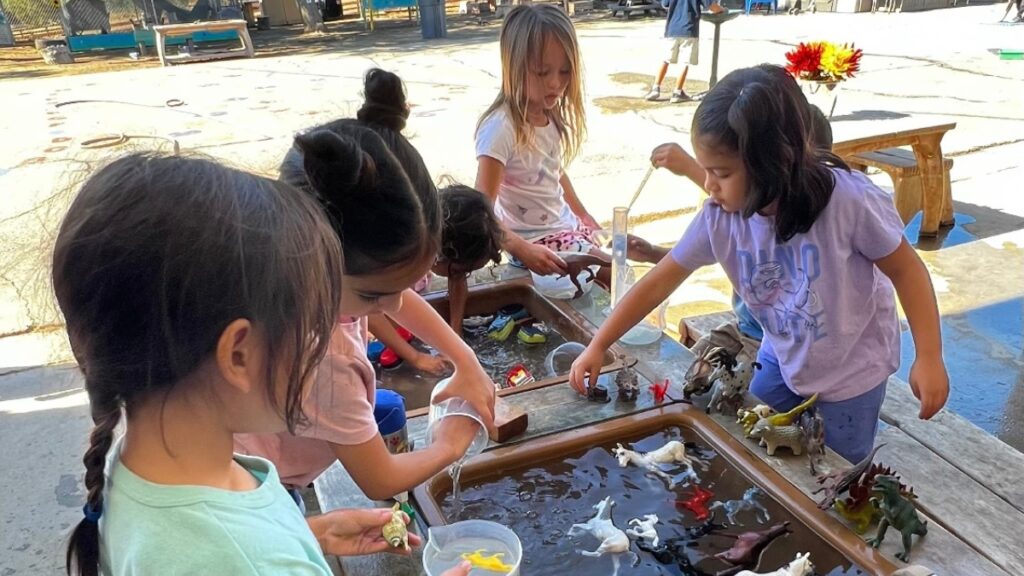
[382,328]
[469,381]
[381,474]
[458,294]
[928,378]
[569,193]
[650,291]
[537,258]
[355,532]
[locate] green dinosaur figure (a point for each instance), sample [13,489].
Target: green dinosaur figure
[898,512]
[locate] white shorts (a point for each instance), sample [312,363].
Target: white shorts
[690,46]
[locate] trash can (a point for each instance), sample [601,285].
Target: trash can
[432,21]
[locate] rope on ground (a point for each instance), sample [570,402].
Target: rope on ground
[111,140]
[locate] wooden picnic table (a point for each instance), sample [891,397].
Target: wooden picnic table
[161,33]
[851,138]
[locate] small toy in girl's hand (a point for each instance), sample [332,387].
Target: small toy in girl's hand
[518,375]
[395,531]
[697,503]
[597,393]
[493,562]
[658,390]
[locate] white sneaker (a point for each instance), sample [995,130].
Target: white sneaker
[654,94]
[679,96]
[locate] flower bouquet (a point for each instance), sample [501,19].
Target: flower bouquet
[821,66]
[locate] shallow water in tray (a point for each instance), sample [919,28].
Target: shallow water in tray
[495,357]
[541,502]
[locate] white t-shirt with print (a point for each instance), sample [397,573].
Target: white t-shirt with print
[530,201]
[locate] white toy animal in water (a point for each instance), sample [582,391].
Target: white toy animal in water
[644,529]
[801,566]
[674,452]
[613,540]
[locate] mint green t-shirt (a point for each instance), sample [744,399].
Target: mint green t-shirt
[149,528]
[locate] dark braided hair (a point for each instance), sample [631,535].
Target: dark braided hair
[156,257]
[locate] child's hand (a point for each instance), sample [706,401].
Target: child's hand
[643,251]
[541,259]
[716,8]
[473,385]
[356,532]
[588,363]
[461,570]
[670,156]
[457,433]
[436,365]
[930,384]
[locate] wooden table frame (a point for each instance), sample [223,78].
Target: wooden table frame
[161,33]
[926,142]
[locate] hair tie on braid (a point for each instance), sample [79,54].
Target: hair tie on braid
[92,514]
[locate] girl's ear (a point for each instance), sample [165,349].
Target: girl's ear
[239,355]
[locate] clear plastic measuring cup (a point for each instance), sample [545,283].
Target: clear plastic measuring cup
[446,545]
[454,407]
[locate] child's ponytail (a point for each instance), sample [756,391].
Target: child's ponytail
[384,100]
[761,114]
[83,555]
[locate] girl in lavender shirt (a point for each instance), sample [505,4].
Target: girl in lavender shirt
[815,252]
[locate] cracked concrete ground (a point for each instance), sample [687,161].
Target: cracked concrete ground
[933,65]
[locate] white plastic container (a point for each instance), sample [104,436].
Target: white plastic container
[446,545]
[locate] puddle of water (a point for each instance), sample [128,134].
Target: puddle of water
[947,238]
[540,501]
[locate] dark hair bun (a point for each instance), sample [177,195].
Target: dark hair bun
[333,160]
[384,100]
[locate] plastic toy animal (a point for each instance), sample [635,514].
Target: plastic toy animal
[813,427]
[857,508]
[576,264]
[705,370]
[801,566]
[749,545]
[838,481]
[789,418]
[748,502]
[395,531]
[772,436]
[897,512]
[627,382]
[493,562]
[658,391]
[673,452]
[730,386]
[747,418]
[673,551]
[697,503]
[644,528]
[613,540]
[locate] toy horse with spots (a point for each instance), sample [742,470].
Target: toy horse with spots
[613,540]
[730,386]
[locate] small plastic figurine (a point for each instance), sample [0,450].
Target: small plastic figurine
[597,393]
[857,507]
[773,436]
[493,562]
[644,529]
[747,418]
[673,452]
[628,383]
[395,531]
[749,545]
[897,512]
[813,428]
[697,503]
[730,386]
[801,566]
[705,370]
[658,391]
[613,540]
[749,502]
[838,481]
[577,264]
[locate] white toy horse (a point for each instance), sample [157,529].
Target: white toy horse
[801,566]
[644,529]
[674,452]
[613,540]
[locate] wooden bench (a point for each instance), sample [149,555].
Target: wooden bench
[908,189]
[162,33]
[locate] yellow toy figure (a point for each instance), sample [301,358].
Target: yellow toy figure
[494,563]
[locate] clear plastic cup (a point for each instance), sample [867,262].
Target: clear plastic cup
[446,545]
[650,329]
[454,407]
[560,360]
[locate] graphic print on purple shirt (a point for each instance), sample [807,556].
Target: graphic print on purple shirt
[778,289]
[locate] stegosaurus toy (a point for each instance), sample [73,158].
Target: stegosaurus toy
[857,507]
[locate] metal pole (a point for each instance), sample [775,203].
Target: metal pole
[714,57]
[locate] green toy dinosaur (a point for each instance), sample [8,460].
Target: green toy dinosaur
[898,512]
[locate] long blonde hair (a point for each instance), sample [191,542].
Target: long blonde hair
[522,39]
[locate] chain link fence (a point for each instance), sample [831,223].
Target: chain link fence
[31,19]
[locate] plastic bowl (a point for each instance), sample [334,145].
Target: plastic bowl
[446,545]
[560,360]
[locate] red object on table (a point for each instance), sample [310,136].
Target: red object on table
[658,389]
[404,334]
[388,359]
[518,375]
[697,503]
